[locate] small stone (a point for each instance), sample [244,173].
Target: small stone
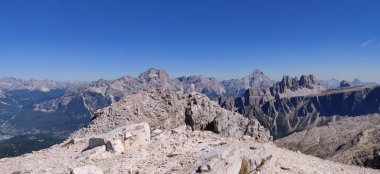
[157,131]
[285,168]
[127,135]
[203,168]
[172,155]
[93,153]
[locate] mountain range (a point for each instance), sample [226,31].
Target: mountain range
[334,83]
[161,131]
[285,108]
[40,100]
[85,101]
[44,107]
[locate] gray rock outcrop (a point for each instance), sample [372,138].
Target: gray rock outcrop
[163,109]
[352,140]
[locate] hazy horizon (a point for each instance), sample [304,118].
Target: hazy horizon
[171,76]
[88,40]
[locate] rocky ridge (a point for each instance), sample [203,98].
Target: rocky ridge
[165,110]
[358,145]
[201,138]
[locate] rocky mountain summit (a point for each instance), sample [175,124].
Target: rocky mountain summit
[236,87]
[165,110]
[292,86]
[182,134]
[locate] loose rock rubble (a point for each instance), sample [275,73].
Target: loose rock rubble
[179,150]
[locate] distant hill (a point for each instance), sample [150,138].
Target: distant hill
[334,83]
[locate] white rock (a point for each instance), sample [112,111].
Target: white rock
[127,135]
[95,153]
[137,134]
[116,146]
[156,132]
[89,169]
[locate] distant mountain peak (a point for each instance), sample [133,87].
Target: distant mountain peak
[334,83]
[256,78]
[344,84]
[356,80]
[254,73]
[154,74]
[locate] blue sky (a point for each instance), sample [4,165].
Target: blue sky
[92,39]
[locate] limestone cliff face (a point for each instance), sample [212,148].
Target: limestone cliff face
[285,115]
[330,124]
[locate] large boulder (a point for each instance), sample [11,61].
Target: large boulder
[118,140]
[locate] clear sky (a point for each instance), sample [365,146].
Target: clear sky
[92,39]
